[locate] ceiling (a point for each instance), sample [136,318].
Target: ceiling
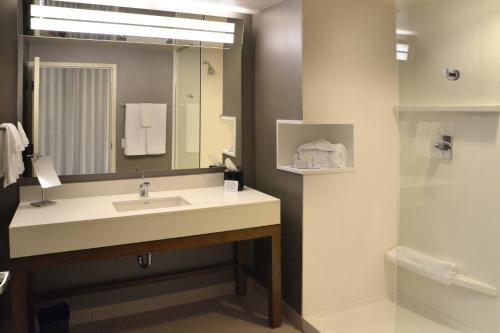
[244,6]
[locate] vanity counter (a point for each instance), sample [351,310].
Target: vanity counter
[93,222]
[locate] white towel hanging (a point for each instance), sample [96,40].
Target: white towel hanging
[11,158]
[156,134]
[135,134]
[22,135]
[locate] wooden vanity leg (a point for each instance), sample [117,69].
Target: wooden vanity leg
[274,291]
[241,277]
[19,302]
[31,301]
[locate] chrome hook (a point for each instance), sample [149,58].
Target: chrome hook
[451,75]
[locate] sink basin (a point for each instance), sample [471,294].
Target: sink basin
[144,204]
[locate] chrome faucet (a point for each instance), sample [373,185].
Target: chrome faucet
[144,188]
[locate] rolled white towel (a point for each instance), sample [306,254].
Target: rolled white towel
[324,154]
[420,263]
[22,135]
[11,159]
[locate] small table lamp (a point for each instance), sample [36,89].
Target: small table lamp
[47,177]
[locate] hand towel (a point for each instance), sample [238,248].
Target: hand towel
[11,146]
[147,115]
[135,134]
[420,263]
[192,128]
[156,135]
[22,135]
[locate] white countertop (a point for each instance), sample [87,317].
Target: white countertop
[90,222]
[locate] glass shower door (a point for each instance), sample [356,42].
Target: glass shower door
[449,236]
[187,108]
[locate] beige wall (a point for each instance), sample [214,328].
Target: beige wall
[349,220]
[459,34]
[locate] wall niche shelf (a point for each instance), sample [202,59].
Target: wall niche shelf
[447,108]
[290,134]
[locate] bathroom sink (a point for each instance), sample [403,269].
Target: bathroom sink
[144,204]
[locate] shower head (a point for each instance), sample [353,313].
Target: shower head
[210,70]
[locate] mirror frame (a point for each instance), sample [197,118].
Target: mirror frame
[246,154]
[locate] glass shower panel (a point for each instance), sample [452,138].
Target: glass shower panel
[187,108]
[449,236]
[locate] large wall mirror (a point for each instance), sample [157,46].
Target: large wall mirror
[121,89]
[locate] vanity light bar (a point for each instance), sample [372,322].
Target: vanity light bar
[178,6]
[128,30]
[126,18]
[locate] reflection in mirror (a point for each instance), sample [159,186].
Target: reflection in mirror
[76,116]
[97,102]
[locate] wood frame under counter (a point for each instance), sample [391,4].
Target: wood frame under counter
[21,268]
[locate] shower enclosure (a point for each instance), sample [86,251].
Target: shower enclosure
[449,235]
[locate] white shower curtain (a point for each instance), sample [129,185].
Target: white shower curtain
[74,119]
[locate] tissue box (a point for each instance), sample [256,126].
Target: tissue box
[236,176]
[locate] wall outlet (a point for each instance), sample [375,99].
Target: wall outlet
[123,143]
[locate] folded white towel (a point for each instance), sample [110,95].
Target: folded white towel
[192,128]
[420,263]
[147,115]
[11,148]
[135,134]
[156,134]
[324,154]
[22,135]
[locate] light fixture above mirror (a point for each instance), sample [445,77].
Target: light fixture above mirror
[178,6]
[76,20]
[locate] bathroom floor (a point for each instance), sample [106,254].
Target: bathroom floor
[226,314]
[380,316]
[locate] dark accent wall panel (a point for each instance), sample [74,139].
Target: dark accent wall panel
[278,95]
[247,98]
[9,197]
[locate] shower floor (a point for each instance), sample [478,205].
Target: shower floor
[380,316]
